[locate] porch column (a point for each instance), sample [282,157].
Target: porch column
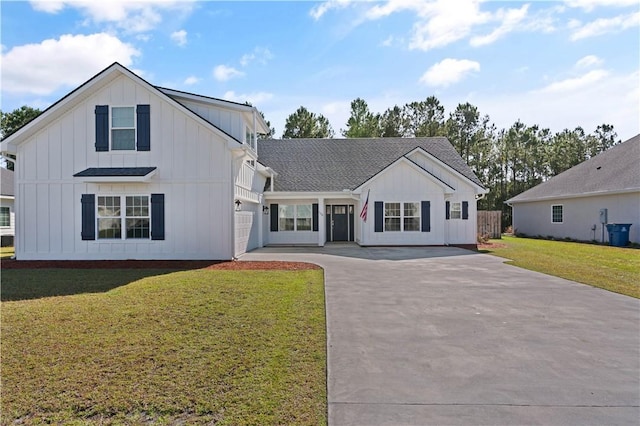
[259,216]
[322,221]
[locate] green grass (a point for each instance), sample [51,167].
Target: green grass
[189,347]
[611,268]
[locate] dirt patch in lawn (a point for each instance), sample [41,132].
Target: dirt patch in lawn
[157,264]
[489,246]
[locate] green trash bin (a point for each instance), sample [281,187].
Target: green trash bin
[618,234]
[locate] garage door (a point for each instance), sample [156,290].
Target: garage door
[246,232]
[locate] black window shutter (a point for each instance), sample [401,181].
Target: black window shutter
[465,210]
[447,207]
[144,128]
[425,209]
[314,220]
[157,216]
[88,216]
[273,210]
[379,216]
[102,127]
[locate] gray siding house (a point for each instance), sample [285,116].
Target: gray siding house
[569,204]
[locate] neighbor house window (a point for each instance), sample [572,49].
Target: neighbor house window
[5,216]
[456,211]
[556,214]
[123,128]
[134,218]
[295,217]
[401,217]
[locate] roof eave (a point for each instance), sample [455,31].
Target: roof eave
[570,196]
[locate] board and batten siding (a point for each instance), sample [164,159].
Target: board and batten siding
[193,172]
[231,122]
[403,183]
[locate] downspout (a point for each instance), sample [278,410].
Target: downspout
[255,131]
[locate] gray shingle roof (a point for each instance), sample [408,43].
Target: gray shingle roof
[614,170]
[310,165]
[6,182]
[115,171]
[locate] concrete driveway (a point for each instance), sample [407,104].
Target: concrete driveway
[445,336]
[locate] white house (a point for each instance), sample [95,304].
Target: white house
[122,169]
[7,215]
[570,204]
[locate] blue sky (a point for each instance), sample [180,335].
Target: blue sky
[555,64]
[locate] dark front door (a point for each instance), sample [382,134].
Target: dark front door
[340,220]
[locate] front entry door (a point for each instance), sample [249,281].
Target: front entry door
[340,225]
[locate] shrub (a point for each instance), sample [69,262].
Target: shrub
[483,238]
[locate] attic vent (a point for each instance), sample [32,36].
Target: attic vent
[598,168]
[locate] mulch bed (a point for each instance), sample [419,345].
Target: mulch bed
[487,246]
[157,264]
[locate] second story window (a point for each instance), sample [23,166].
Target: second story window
[123,128]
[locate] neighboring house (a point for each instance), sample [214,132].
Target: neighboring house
[569,204]
[7,215]
[122,169]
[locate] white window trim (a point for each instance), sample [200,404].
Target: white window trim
[9,217]
[135,127]
[458,211]
[562,217]
[295,218]
[402,216]
[123,217]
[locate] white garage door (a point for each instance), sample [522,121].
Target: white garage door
[246,232]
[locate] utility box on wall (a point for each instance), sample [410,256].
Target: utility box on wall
[603,216]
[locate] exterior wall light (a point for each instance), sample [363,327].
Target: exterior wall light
[238,205]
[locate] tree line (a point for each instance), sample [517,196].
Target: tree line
[507,161]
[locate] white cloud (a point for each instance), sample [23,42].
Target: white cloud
[611,100]
[179,37]
[191,80]
[388,41]
[589,5]
[65,62]
[262,55]
[254,98]
[510,18]
[449,71]
[446,22]
[606,25]
[320,9]
[224,73]
[130,16]
[48,6]
[575,83]
[588,61]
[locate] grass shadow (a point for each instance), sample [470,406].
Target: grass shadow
[35,283]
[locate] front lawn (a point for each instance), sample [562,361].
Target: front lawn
[188,347]
[612,268]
